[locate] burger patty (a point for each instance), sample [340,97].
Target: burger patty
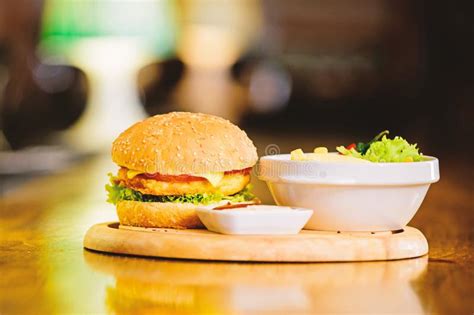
[231,183]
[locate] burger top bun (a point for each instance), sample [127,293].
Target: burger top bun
[184,143]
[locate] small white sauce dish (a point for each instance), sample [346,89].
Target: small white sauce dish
[366,197]
[254,220]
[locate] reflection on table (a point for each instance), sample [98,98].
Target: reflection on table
[191,287]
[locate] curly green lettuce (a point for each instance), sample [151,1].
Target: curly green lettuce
[117,192]
[393,150]
[387,150]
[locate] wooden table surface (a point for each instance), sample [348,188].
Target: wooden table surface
[44,268]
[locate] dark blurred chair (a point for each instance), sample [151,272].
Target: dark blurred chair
[36,99]
[156,83]
[41,100]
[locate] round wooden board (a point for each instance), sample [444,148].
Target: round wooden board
[307,246]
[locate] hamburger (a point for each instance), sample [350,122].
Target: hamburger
[170,164]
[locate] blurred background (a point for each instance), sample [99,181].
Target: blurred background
[302,73]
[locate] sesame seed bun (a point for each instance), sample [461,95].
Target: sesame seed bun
[184,143]
[172,215]
[158,214]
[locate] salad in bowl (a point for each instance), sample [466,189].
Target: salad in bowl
[374,186]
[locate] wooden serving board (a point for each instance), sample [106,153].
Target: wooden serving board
[307,246]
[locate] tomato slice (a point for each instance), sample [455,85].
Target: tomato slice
[351,146]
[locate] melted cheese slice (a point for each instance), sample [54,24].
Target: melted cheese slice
[213,177]
[132,173]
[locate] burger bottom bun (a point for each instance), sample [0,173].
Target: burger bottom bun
[158,214]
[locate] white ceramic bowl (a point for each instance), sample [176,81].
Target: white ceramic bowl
[350,196]
[255,220]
